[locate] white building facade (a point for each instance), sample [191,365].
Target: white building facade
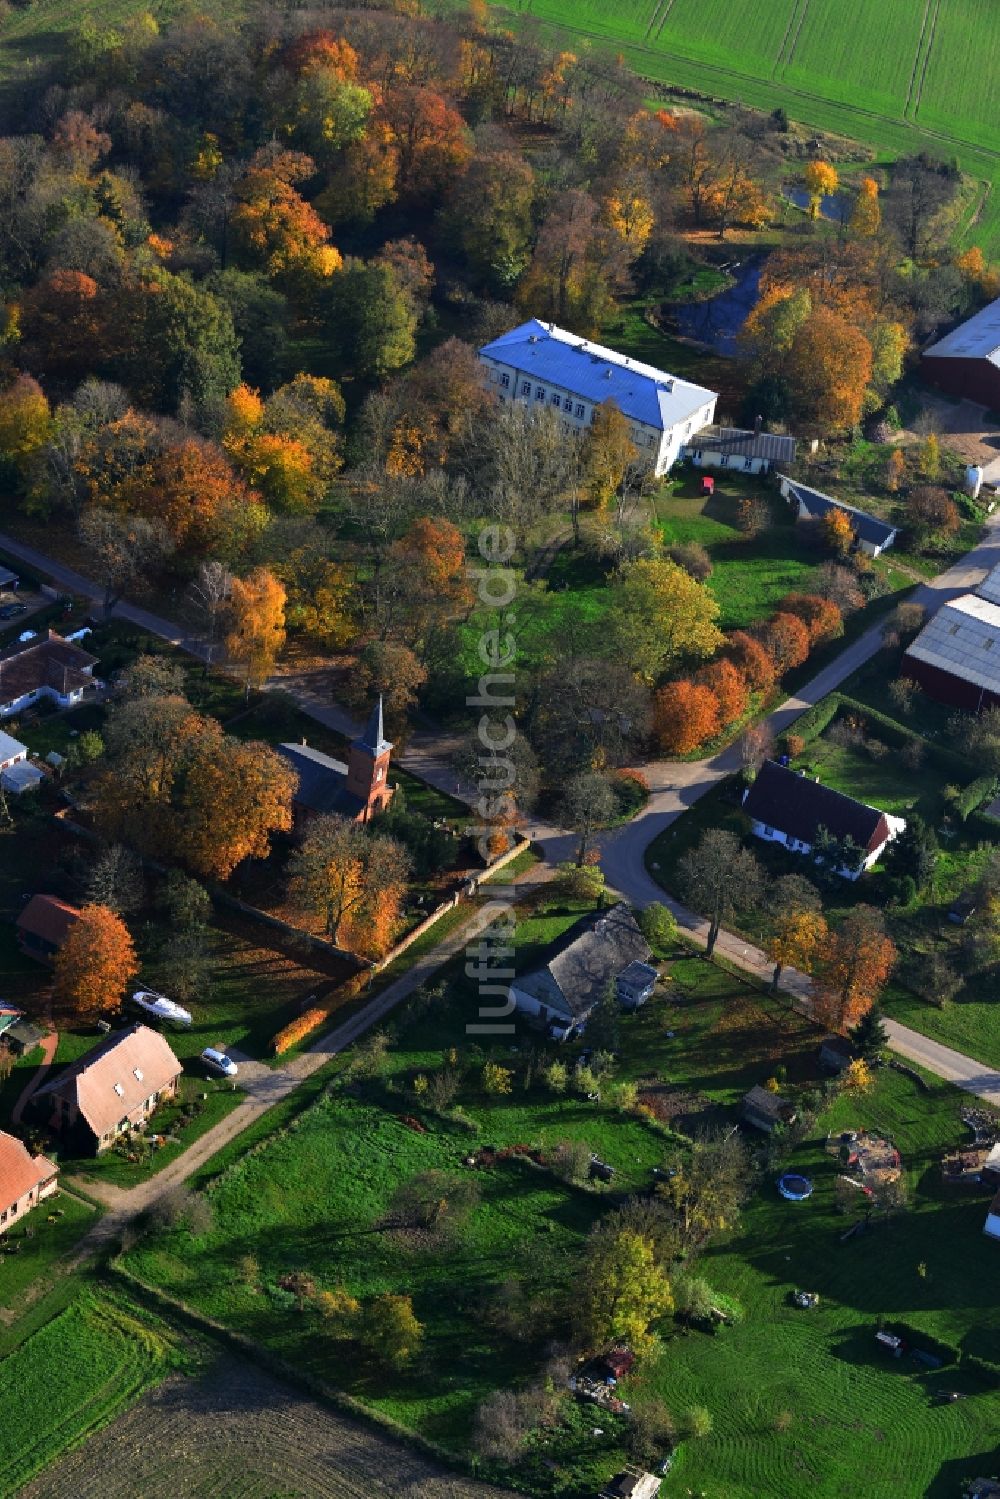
[545,366]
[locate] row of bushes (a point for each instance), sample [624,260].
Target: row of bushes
[951,762]
[298,1028]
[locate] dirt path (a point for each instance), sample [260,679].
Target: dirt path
[49,1045]
[236,1432]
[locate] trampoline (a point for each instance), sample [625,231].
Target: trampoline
[794,1188]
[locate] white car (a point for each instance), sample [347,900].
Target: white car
[219,1062]
[159,1004]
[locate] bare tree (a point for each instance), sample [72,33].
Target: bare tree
[720,878]
[207,596]
[124,548]
[587,803]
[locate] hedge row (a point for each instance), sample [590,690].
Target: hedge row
[813,722]
[296,1029]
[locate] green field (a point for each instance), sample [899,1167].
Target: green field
[902,76]
[70,1378]
[311,1198]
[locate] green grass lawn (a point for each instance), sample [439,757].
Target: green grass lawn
[43,1245]
[805,1402]
[311,1198]
[749,574]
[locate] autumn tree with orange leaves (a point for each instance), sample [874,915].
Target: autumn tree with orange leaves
[821,616]
[837,531]
[751,660]
[821,182]
[257,624]
[728,687]
[274,228]
[853,965]
[785,639]
[234,796]
[829,367]
[351,881]
[95,965]
[685,714]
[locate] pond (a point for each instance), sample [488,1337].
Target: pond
[835,206]
[717,320]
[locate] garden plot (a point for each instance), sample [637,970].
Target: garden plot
[246,1436]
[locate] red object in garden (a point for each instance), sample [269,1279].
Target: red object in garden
[708,485]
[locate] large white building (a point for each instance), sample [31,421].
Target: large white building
[544,365]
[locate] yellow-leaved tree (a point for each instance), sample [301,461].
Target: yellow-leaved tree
[257,624]
[663,616]
[821,180]
[623,1290]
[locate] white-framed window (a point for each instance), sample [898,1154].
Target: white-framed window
[651,442]
[555,400]
[539,392]
[505,381]
[567,403]
[526,387]
[748,463]
[579,409]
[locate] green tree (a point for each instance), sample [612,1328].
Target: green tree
[372,319]
[184,346]
[913,852]
[603,1029]
[869,1037]
[658,925]
[260,317]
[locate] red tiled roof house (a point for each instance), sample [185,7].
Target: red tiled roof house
[43,926]
[24,1180]
[113,1088]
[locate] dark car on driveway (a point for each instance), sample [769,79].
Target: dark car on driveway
[11,611]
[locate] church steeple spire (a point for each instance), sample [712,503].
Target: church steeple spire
[373,739]
[368,766]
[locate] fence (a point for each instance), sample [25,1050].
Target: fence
[464,892]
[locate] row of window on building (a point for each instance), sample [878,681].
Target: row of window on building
[566,403]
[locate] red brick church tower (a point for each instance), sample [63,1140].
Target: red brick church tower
[368,767]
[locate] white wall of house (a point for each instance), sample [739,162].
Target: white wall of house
[529,1005]
[659,448]
[992,1225]
[22,754]
[799,846]
[631,996]
[712,458]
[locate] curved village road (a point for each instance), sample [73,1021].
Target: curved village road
[674,786]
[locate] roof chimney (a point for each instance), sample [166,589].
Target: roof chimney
[305,742]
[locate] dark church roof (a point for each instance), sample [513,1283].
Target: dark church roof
[322,781]
[798,806]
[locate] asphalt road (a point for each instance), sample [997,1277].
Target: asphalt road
[675,786]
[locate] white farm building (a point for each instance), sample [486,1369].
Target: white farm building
[546,366]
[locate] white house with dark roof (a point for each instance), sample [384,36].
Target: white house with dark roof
[604,948]
[872,536]
[542,365]
[755,452]
[787,807]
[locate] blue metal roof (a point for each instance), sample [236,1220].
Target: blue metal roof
[867,527]
[596,374]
